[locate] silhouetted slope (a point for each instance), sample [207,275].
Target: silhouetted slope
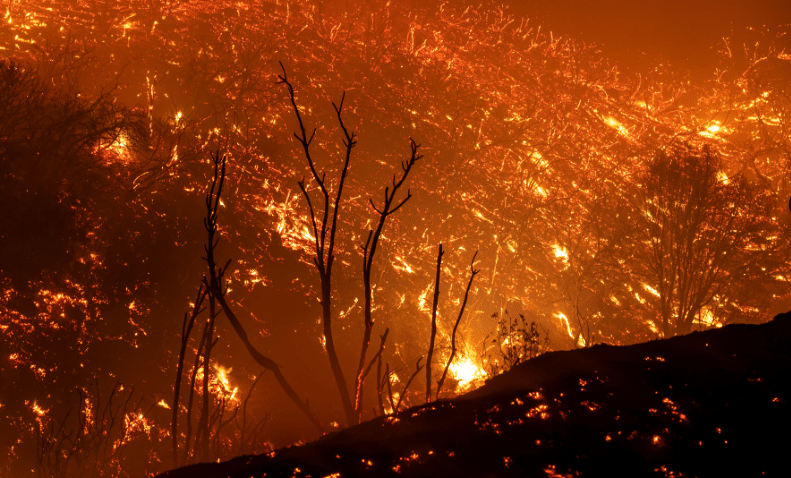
[712,403]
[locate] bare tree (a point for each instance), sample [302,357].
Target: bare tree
[401,396]
[190,400]
[324,245]
[387,381]
[699,233]
[369,250]
[377,358]
[252,432]
[91,440]
[324,231]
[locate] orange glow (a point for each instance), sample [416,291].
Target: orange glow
[543,157]
[466,372]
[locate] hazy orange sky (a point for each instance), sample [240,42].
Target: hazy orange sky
[683,31]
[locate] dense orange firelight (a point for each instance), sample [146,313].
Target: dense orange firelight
[539,151]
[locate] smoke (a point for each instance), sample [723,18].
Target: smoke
[535,148]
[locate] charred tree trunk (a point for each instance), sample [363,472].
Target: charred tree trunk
[363,374]
[324,245]
[268,364]
[379,385]
[418,368]
[202,443]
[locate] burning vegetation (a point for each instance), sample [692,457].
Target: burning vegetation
[163,157]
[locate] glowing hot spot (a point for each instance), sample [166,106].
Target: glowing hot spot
[466,372]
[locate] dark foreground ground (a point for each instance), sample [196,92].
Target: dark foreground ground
[711,403]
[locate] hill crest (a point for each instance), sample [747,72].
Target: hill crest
[713,403]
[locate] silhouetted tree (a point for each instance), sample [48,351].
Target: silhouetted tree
[388,207]
[324,224]
[53,169]
[699,232]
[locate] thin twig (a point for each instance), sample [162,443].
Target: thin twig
[473,273]
[406,387]
[433,325]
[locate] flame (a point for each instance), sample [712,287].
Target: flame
[401,264]
[707,318]
[615,124]
[119,149]
[466,372]
[253,278]
[220,383]
[560,252]
[38,410]
[564,321]
[650,289]
[267,204]
[223,382]
[652,326]
[713,130]
[723,178]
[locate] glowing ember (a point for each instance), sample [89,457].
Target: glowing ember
[38,410]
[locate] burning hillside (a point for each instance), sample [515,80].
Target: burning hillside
[667,408]
[232,226]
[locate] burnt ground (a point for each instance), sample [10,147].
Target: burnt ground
[712,403]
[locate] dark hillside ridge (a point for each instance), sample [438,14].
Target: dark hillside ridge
[712,403]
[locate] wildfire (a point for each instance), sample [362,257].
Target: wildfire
[38,410]
[650,289]
[707,318]
[466,372]
[401,265]
[615,124]
[714,130]
[220,383]
[560,252]
[538,164]
[565,323]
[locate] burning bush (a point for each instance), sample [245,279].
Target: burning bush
[515,341]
